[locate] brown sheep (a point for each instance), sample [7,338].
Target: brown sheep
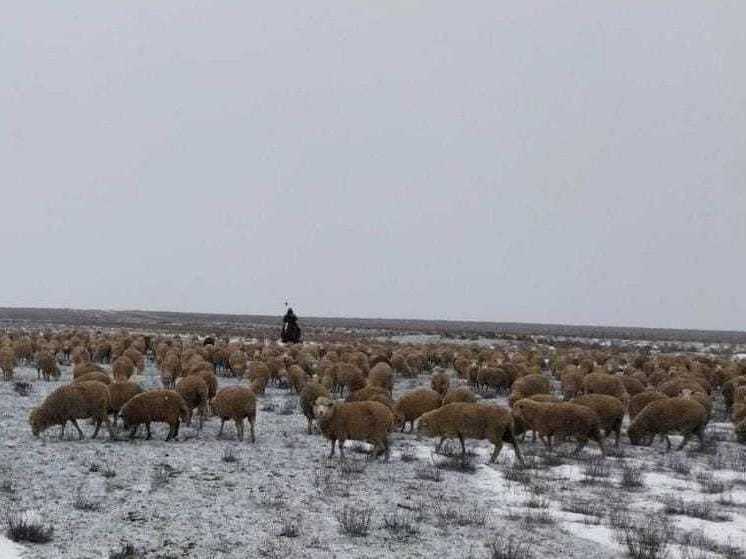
[312,391]
[563,419]
[365,394]
[297,378]
[123,368]
[72,402]
[7,362]
[382,375]
[195,393]
[675,387]
[236,403]
[684,415]
[165,406]
[210,380]
[470,421]
[99,377]
[137,358]
[638,402]
[440,382]
[414,403]
[610,411]
[604,383]
[528,386]
[632,385]
[459,394]
[494,378]
[46,366]
[85,368]
[729,389]
[358,421]
[571,380]
[119,394]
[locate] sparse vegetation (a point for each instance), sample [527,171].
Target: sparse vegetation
[355,519]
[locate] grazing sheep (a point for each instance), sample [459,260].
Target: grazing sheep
[494,378]
[440,382]
[137,358]
[99,377]
[528,386]
[236,403]
[470,421]
[312,391]
[71,402]
[729,389]
[164,406]
[610,411]
[297,378]
[675,387]
[237,363]
[638,402]
[86,367]
[684,415]
[571,380]
[210,380]
[7,362]
[604,383]
[414,403]
[122,368]
[459,394]
[358,421]
[563,419]
[382,375]
[365,394]
[632,385]
[258,371]
[119,394]
[46,366]
[195,393]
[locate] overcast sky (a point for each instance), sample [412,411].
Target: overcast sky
[565,162]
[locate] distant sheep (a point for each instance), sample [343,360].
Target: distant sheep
[604,383]
[46,366]
[683,415]
[360,421]
[529,385]
[471,421]
[416,402]
[312,391]
[638,402]
[122,368]
[72,402]
[164,406]
[196,395]
[382,375]
[610,411]
[236,403]
[86,367]
[95,375]
[563,419]
[7,362]
[459,394]
[440,382]
[119,394]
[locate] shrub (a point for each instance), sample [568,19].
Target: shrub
[429,472]
[289,527]
[355,520]
[401,524]
[24,527]
[646,538]
[83,502]
[127,551]
[408,454]
[710,484]
[22,388]
[229,455]
[631,477]
[510,547]
[352,467]
[596,468]
[696,509]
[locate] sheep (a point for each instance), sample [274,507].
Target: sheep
[359,421]
[729,388]
[440,382]
[195,393]
[46,366]
[258,371]
[684,415]
[382,375]
[610,411]
[571,381]
[520,427]
[414,403]
[563,419]
[366,393]
[7,362]
[210,380]
[165,406]
[604,383]
[120,393]
[236,403]
[470,421]
[297,378]
[675,387]
[137,358]
[529,385]
[632,385]
[71,402]
[122,368]
[638,402]
[100,377]
[308,396]
[86,367]
[459,394]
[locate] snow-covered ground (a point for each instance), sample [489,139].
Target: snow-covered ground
[183,499]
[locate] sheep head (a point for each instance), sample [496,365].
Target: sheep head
[323,408]
[35,420]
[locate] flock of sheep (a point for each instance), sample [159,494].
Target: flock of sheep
[346,389]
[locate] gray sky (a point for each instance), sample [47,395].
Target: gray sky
[572,162]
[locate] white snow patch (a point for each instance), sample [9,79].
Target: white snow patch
[9,549]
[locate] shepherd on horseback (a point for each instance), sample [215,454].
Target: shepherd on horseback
[290,330]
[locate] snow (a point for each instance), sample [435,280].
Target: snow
[9,549]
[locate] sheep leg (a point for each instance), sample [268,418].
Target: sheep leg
[309,425]
[222,423]
[147,427]
[201,418]
[239,428]
[463,448]
[170,432]
[334,442]
[133,432]
[342,449]
[386,449]
[176,433]
[701,436]
[684,441]
[80,433]
[496,451]
[581,444]
[251,427]
[62,431]
[98,426]
[668,443]
[440,444]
